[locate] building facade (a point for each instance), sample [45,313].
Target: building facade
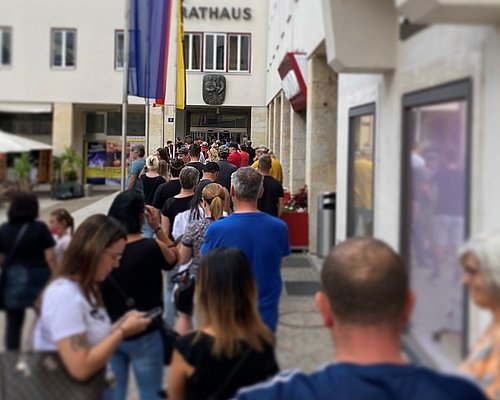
[61,73]
[400,123]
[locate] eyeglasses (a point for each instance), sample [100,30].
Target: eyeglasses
[114,256]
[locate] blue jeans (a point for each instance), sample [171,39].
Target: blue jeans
[145,355]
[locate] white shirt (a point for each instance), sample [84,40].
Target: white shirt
[66,312]
[62,244]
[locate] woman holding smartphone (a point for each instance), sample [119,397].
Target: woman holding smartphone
[138,284]
[72,318]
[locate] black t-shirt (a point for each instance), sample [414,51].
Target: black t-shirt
[139,277]
[226,170]
[202,184]
[165,191]
[198,165]
[149,187]
[210,372]
[174,207]
[31,249]
[273,190]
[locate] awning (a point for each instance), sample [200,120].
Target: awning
[25,107]
[10,143]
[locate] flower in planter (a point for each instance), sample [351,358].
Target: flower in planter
[297,202]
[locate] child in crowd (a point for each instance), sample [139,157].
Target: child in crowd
[61,225]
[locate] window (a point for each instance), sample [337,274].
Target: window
[215,52]
[119,53]
[239,53]
[95,122]
[5,47]
[192,51]
[110,123]
[360,195]
[63,48]
[435,213]
[26,123]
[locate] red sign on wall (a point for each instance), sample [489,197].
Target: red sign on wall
[292,82]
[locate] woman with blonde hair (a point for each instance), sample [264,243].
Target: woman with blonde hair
[480,259]
[232,348]
[151,180]
[61,226]
[73,320]
[212,201]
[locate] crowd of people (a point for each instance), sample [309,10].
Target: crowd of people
[196,235]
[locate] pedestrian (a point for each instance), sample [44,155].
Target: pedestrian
[271,201]
[170,188]
[365,303]
[234,155]
[72,318]
[151,180]
[232,348]
[480,259]
[138,280]
[249,230]
[213,199]
[226,168]
[61,225]
[27,243]
[136,167]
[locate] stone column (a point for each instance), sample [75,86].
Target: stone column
[155,130]
[285,140]
[259,126]
[62,128]
[297,150]
[270,125]
[275,147]
[321,134]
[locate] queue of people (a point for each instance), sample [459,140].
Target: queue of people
[107,279]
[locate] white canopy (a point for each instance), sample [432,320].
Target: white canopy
[10,143]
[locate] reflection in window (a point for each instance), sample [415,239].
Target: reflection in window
[436,221]
[5,46]
[360,206]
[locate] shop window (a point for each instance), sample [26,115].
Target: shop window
[135,124]
[5,46]
[119,46]
[239,53]
[215,52]
[63,48]
[192,51]
[435,213]
[26,123]
[361,151]
[95,122]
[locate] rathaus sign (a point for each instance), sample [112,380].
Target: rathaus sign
[235,13]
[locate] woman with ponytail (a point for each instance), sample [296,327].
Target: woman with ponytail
[212,201]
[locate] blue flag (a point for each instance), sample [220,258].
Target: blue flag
[148,50]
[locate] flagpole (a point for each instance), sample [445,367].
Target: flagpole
[125,92]
[175,69]
[146,111]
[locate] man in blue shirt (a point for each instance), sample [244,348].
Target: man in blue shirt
[365,303]
[137,157]
[263,239]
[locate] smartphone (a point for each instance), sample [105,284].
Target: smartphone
[155,312]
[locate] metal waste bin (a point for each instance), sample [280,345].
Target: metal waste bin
[326,223]
[87,190]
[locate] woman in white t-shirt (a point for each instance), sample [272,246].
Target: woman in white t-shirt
[72,318]
[61,225]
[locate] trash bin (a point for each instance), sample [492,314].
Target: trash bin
[87,190]
[326,223]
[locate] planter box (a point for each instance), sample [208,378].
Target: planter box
[298,228]
[67,190]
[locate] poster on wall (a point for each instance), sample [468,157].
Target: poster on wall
[114,159]
[96,161]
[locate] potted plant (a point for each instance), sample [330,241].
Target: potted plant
[22,172]
[297,218]
[66,167]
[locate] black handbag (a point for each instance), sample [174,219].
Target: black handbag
[42,375]
[184,291]
[168,335]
